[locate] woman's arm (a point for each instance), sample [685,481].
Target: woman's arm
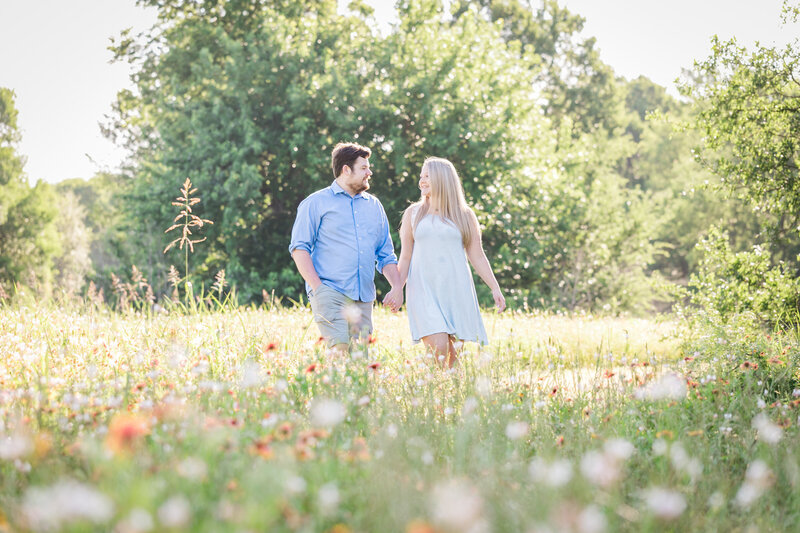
[394,299]
[406,246]
[477,257]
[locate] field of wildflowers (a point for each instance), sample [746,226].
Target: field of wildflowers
[238,420]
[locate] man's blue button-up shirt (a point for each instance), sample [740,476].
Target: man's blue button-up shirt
[347,237]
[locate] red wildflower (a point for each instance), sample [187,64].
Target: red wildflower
[311,368]
[374,366]
[554,391]
[608,374]
[747,365]
[271,347]
[125,432]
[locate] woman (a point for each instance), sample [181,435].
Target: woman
[435,233]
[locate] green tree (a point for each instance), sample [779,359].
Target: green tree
[576,87]
[28,238]
[748,104]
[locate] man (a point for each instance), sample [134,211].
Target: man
[339,236]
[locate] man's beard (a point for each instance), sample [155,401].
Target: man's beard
[363,186]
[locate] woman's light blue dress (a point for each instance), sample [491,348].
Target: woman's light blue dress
[440,294]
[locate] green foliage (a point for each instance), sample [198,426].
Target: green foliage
[575,87]
[728,284]
[249,111]
[108,222]
[748,104]
[28,238]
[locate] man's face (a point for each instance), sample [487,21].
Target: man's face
[357,180]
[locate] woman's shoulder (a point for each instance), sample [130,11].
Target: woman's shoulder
[412,210]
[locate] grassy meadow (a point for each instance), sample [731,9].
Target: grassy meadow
[240,420]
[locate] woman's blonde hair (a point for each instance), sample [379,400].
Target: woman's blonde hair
[447,198]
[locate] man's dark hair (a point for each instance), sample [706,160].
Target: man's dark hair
[346,154]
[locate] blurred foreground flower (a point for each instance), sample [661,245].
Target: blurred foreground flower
[665,503]
[137,521]
[326,412]
[604,468]
[457,506]
[125,432]
[517,430]
[555,474]
[66,502]
[757,479]
[15,446]
[668,387]
[768,431]
[328,498]
[175,512]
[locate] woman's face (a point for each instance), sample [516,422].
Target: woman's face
[424,182]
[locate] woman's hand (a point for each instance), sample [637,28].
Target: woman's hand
[499,299]
[394,299]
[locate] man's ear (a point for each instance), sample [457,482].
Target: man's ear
[346,169]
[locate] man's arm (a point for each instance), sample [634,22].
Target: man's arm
[306,268]
[394,298]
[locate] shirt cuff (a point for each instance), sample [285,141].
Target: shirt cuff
[299,246]
[386,262]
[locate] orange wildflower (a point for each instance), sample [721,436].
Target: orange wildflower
[125,432]
[418,526]
[747,365]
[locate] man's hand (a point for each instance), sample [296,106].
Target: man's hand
[394,299]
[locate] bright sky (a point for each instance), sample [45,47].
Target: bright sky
[53,55]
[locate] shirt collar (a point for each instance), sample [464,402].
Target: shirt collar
[336,188]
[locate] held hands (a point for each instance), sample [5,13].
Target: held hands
[394,299]
[499,299]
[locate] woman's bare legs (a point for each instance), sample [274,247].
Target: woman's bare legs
[441,345]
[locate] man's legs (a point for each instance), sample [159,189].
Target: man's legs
[339,318]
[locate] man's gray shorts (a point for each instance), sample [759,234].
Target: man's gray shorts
[338,317]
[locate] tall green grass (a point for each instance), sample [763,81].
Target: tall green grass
[239,420]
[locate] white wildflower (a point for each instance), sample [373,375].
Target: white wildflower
[599,468]
[251,376]
[619,449]
[352,314]
[555,474]
[176,512]
[669,386]
[137,521]
[516,430]
[14,446]
[483,386]
[768,431]
[592,520]
[50,508]
[456,505]
[192,468]
[326,412]
[328,498]
[756,480]
[666,504]
[295,485]
[470,405]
